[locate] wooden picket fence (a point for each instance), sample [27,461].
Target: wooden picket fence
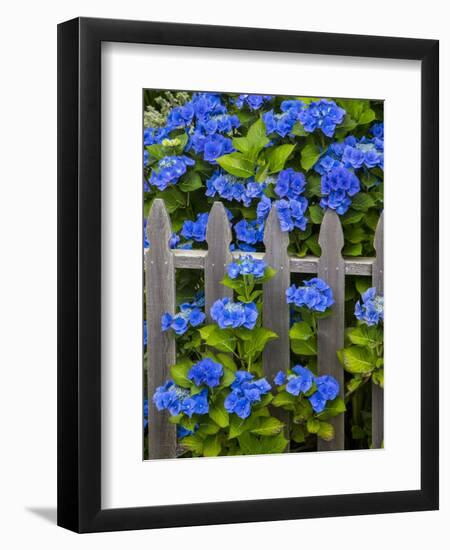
[160,265]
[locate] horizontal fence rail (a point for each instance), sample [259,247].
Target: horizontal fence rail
[161,263]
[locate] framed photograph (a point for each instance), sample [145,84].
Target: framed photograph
[248,275]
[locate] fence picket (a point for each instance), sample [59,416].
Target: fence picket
[218,237]
[378,283]
[160,293]
[331,268]
[276,355]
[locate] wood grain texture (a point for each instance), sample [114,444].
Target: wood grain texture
[218,237]
[195,259]
[378,283]
[276,355]
[331,268]
[160,294]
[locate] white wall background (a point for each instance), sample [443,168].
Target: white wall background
[28,270]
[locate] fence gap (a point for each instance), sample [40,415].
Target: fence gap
[160,294]
[331,268]
[378,283]
[218,237]
[276,355]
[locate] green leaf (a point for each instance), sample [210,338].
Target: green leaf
[227,378]
[354,384]
[262,173]
[351,216]
[156,151]
[191,182]
[249,444]
[221,339]
[309,156]
[173,199]
[273,444]
[313,244]
[238,425]
[219,414]
[237,164]
[314,185]
[278,156]
[316,213]
[256,138]
[207,428]
[257,342]
[326,431]
[357,360]
[227,361]
[211,446]
[366,116]
[300,331]
[362,202]
[298,433]
[335,407]
[362,284]
[284,399]
[378,377]
[352,249]
[180,371]
[364,336]
[304,347]
[312,425]
[241,144]
[188,423]
[355,234]
[268,426]
[193,443]
[298,130]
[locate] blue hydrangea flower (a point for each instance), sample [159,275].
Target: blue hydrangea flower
[228,314]
[279,123]
[233,189]
[184,432]
[195,404]
[245,391]
[290,184]
[318,402]
[206,372]
[170,397]
[145,334]
[169,170]
[315,295]
[327,386]
[337,186]
[254,101]
[371,310]
[247,265]
[291,213]
[322,115]
[263,208]
[364,153]
[189,314]
[195,230]
[154,136]
[215,146]
[300,382]
[378,130]
[250,232]
[280,378]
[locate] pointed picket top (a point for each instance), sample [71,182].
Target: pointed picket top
[378,283]
[330,335]
[218,238]
[161,352]
[272,231]
[331,237]
[276,354]
[158,225]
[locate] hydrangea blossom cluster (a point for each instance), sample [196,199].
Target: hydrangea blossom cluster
[195,230]
[337,187]
[291,213]
[249,233]
[247,265]
[229,314]
[371,310]
[282,123]
[169,170]
[190,314]
[206,372]
[231,188]
[315,295]
[321,115]
[245,391]
[154,136]
[181,431]
[302,381]
[178,400]
[253,101]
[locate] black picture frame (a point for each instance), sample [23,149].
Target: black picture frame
[79,274]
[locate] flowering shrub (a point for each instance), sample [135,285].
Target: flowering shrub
[253,152]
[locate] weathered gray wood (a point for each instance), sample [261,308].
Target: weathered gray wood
[331,268]
[160,294]
[276,355]
[195,259]
[378,283]
[218,237]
